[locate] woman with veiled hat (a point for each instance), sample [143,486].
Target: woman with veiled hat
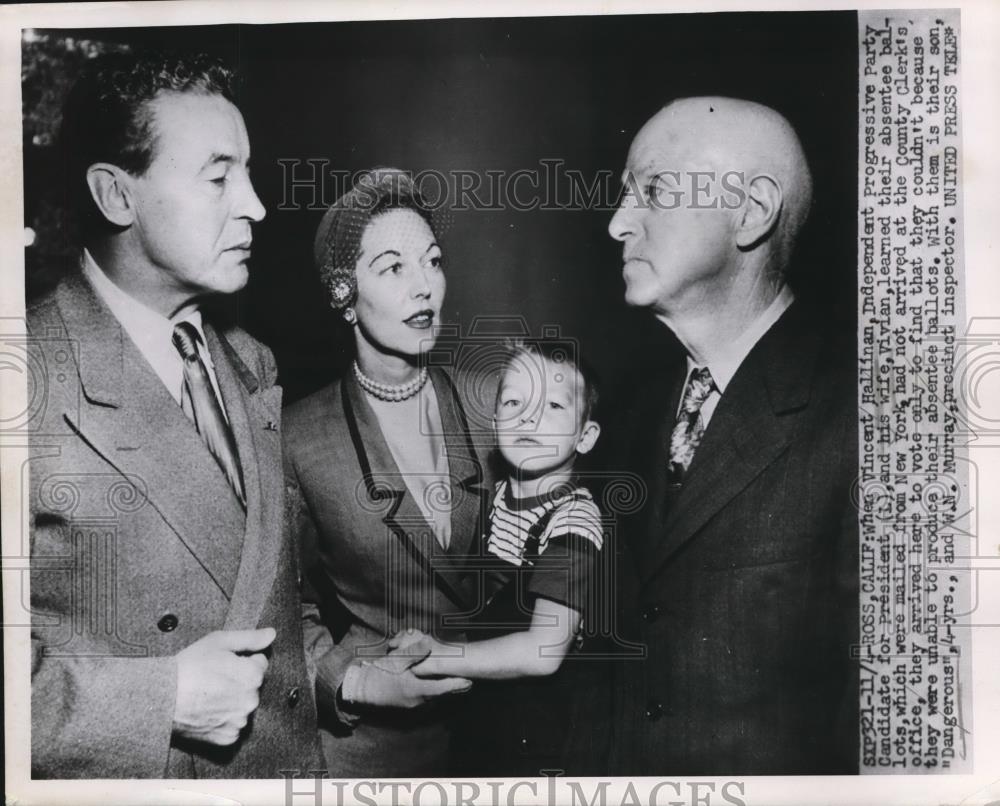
[387,486]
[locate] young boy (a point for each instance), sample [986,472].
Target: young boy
[541,552]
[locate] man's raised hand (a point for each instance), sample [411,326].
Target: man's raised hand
[218,683]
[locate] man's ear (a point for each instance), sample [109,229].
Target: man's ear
[761,211]
[588,436]
[111,190]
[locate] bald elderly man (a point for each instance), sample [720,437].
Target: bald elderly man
[741,568]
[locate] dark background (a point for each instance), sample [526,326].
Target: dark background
[497,94]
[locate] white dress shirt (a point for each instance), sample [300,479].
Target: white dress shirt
[153,334]
[724,366]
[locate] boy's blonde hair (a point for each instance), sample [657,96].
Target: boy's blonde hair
[558,352]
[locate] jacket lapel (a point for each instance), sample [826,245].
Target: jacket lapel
[254,414]
[752,426]
[468,495]
[384,483]
[659,412]
[130,419]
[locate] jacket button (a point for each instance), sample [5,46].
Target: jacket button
[167,623]
[654,710]
[293,696]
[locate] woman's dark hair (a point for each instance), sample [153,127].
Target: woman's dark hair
[338,237]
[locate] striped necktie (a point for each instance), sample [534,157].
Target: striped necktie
[690,427]
[208,417]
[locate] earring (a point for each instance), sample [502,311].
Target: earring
[350,315]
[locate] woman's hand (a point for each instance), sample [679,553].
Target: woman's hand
[389,681]
[372,686]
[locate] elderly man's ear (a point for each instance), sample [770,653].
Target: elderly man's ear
[111,190]
[761,211]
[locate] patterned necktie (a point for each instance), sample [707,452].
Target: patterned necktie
[208,417]
[690,427]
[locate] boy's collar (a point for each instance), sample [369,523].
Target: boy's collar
[548,498]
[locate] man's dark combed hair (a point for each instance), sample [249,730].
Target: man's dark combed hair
[106,117]
[560,352]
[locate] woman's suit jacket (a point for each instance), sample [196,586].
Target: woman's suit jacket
[371,564]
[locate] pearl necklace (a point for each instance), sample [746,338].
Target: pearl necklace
[388,392]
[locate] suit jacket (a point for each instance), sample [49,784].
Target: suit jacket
[742,583]
[372,565]
[139,548]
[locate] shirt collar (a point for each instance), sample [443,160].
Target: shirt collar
[148,329]
[724,366]
[545,500]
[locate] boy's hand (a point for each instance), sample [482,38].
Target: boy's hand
[404,638]
[440,660]
[411,649]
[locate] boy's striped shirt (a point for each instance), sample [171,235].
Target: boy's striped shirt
[511,520]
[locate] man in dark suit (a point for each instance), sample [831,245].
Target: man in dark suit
[166,637]
[742,572]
